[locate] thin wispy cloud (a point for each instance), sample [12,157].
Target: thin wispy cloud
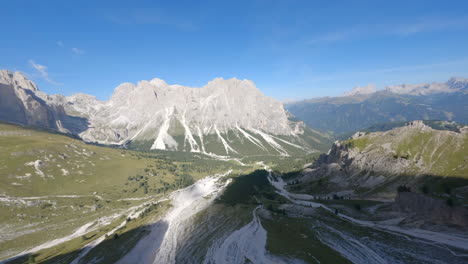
[428,25]
[42,71]
[393,29]
[60,43]
[336,36]
[404,68]
[148,17]
[77,51]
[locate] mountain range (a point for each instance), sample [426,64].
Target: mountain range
[223,118]
[366,106]
[225,174]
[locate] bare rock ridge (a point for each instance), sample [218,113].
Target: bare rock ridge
[21,103]
[451,86]
[455,84]
[364,107]
[369,89]
[155,115]
[375,164]
[414,149]
[219,106]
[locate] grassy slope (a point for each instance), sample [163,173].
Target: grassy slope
[443,153]
[100,180]
[437,160]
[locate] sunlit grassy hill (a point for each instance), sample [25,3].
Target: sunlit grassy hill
[420,155]
[51,185]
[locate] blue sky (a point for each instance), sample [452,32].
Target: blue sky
[290,49]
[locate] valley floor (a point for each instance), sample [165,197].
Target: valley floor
[272,226]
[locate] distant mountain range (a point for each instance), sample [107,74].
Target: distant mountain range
[224,118]
[365,106]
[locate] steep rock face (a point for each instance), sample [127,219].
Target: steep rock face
[20,104]
[225,117]
[220,118]
[148,110]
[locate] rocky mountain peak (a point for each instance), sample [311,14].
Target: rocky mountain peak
[21,102]
[218,118]
[158,82]
[458,83]
[219,105]
[454,84]
[17,79]
[360,90]
[451,86]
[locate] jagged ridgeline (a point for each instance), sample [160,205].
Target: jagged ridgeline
[421,154]
[224,118]
[365,106]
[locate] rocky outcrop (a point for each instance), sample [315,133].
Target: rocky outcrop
[140,111]
[19,103]
[413,149]
[375,164]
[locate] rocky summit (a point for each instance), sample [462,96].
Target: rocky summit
[224,117]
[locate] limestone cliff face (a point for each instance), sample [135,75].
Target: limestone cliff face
[146,110]
[20,104]
[224,117]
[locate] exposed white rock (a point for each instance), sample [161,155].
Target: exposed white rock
[18,102]
[359,90]
[17,79]
[455,84]
[65,172]
[221,103]
[452,85]
[171,117]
